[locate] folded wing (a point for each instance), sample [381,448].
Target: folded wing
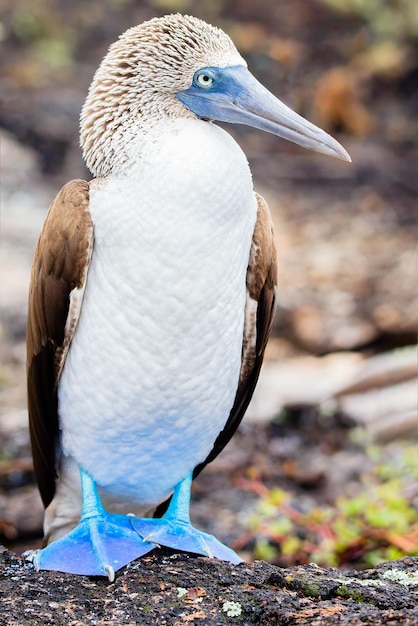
[58,279]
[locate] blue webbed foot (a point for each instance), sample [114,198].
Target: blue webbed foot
[101,544]
[185,537]
[174,529]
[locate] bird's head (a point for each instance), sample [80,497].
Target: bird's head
[180,66]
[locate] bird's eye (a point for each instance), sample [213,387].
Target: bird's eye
[204,80]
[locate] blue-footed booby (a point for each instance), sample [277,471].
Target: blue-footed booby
[151,296]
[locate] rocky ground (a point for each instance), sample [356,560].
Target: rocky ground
[174,589]
[342,354]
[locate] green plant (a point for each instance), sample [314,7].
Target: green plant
[385,18]
[378,524]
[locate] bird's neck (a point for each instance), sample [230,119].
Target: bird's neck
[183,170]
[114,131]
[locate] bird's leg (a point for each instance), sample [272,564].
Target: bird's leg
[101,544]
[175,530]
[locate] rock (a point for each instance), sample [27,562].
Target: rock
[302,380]
[24,200]
[382,395]
[21,514]
[383,370]
[378,393]
[178,589]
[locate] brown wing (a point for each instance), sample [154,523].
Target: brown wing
[56,289]
[259,312]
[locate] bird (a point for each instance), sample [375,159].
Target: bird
[152,295]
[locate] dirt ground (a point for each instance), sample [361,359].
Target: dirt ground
[341,355]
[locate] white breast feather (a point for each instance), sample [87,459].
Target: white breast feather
[153,368]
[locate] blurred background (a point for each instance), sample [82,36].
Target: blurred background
[324,466]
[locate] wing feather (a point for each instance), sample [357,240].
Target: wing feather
[58,279]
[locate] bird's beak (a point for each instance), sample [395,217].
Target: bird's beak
[234,95]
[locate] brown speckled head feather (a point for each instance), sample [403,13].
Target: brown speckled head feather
[161,54]
[57,284]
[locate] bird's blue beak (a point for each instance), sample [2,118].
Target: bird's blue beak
[232,94]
